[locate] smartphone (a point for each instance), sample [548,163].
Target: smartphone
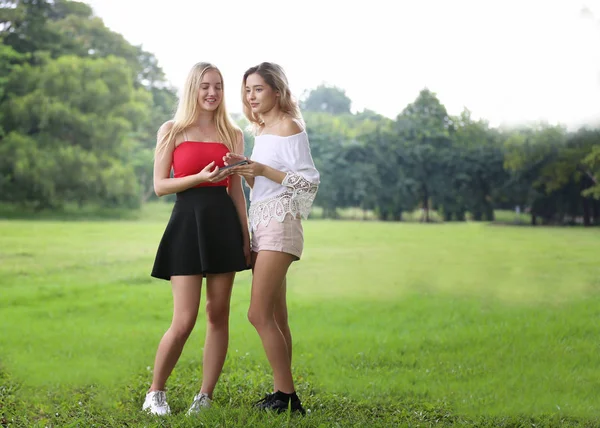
[244,162]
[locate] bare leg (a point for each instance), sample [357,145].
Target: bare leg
[270,269]
[281,313]
[186,299]
[281,317]
[218,297]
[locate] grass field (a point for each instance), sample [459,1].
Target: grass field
[394,325]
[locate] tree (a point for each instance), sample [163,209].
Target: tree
[329,99]
[552,168]
[68,121]
[426,129]
[24,26]
[80,108]
[474,167]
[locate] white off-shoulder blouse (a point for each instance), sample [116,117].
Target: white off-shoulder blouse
[296,194]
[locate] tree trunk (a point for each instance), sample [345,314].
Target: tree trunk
[489,213]
[426,203]
[586,212]
[327,213]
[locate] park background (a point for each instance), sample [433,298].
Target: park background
[451,273]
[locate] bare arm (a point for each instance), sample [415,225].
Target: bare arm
[163,183]
[239,200]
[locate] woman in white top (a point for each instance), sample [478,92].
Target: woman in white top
[284,183]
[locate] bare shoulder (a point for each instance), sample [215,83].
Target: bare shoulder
[290,126]
[165,128]
[163,144]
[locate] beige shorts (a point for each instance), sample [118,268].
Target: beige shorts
[286,236]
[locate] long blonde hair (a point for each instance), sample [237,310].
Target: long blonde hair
[188,109]
[275,77]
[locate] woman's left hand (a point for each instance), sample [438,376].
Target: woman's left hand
[231,158]
[248,254]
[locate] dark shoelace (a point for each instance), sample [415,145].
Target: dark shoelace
[267,398]
[160,399]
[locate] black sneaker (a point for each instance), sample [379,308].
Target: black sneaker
[281,402]
[260,404]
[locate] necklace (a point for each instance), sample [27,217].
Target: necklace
[281,117]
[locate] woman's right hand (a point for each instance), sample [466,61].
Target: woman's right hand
[206,175]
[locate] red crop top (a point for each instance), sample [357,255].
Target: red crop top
[190,157]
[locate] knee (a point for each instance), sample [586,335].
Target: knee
[258,318]
[183,328]
[217,316]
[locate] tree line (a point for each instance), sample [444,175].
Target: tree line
[427,159]
[80,106]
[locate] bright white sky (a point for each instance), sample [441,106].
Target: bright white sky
[508,61]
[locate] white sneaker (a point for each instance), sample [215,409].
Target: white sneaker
[156,403]
[201,401]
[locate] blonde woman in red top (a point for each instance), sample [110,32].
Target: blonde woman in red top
[207,234]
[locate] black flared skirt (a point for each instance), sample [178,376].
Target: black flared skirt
[203,236]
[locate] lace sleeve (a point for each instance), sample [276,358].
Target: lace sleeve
[298,183]
[302,175]
[303,178]
[303,192]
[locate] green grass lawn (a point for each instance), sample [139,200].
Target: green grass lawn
[393,324]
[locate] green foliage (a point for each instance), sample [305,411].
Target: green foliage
[328,99]
[79,107]
[429,160]
[591,165]
[551,173]
[70,118]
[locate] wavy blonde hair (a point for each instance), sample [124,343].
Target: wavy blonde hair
[188,109]
[275,77]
